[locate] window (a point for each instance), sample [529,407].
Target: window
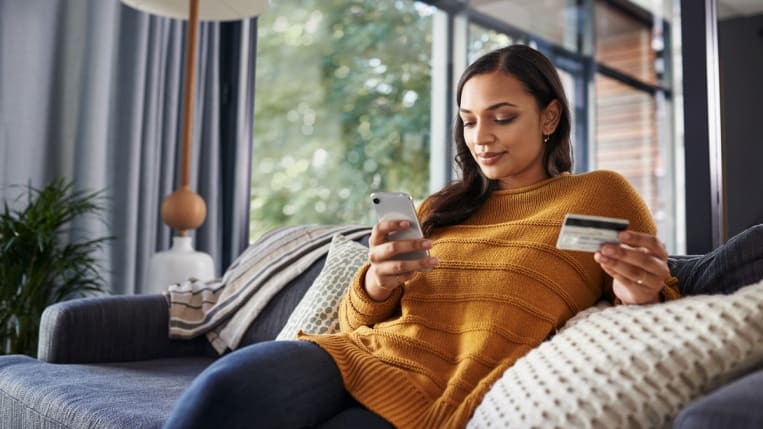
[624,42]
[613,58]
[626,138]
[342,109]
[554,21]
[633,130]
[483,40]
[345,105]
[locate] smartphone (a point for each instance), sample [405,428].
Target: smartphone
[399,206]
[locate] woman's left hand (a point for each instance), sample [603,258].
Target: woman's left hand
[638,265]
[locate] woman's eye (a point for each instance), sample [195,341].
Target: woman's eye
[504,120]
[468,124]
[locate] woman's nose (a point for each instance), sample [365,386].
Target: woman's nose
[483,134]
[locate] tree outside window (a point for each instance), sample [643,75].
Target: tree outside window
[342,109]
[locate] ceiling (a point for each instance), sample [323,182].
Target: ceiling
[737,8]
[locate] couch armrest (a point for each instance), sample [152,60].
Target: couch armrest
[112,329]
[735,405]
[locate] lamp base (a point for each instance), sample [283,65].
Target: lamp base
[179,263]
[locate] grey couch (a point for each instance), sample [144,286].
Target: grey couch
[106,362]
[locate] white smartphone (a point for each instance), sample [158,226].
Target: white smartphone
[399,206]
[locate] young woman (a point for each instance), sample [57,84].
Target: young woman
[422,341]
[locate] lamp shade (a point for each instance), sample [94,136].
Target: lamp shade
[209,10]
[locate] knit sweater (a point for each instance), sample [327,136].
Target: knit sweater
[426,356]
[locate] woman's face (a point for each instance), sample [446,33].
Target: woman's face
[504,129]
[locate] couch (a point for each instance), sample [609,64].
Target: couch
[107,362]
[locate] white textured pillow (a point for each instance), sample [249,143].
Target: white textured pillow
[629,366]
[317,312]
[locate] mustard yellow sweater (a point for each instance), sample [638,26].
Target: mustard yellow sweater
[425,357]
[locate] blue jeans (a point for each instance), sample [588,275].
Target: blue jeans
[273,384]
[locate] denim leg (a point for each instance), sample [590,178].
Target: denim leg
[357,417]
[273,384]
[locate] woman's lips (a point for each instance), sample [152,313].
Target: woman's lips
[489,158]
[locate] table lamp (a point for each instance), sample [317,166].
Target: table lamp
[184,209]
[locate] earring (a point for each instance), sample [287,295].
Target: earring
[546,137]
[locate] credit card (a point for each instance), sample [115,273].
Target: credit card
[584,233]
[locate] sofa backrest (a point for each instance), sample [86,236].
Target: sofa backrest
[273,317]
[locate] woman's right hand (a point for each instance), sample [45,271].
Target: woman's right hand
[387,273]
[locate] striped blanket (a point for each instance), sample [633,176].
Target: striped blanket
[224,308]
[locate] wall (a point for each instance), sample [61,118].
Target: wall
[700,210]
[740,42]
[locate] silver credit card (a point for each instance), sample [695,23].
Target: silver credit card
[585,233]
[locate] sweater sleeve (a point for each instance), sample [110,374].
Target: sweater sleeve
[670,291]
[635,209]
[628,203]
[358,309]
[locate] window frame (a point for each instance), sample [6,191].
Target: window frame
[580,64]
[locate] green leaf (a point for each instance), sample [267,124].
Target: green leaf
[40,264]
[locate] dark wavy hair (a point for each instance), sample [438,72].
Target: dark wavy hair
[462,198]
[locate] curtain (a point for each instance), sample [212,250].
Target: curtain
[91,90]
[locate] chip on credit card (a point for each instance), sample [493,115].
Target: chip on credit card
[584,233]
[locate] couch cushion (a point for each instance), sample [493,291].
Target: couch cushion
[274,316]
[318,311]
[135,395]
[738,405]
[630,365]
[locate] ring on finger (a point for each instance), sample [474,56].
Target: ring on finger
[640,281]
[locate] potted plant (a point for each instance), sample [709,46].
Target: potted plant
[39,266]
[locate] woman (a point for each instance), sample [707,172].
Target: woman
[422,341]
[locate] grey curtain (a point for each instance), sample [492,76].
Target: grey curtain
[92,90]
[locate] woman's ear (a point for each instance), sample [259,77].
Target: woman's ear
[550,117]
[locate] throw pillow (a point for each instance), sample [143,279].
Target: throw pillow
[317,312]
[629,366]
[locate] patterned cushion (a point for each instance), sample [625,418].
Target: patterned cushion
[629,366]
[317,312]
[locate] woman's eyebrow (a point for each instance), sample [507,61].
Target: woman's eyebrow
[491,107]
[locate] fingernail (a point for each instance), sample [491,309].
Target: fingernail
[625,235]
[598,257]
[607,250]
[433,261]
[427,244]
